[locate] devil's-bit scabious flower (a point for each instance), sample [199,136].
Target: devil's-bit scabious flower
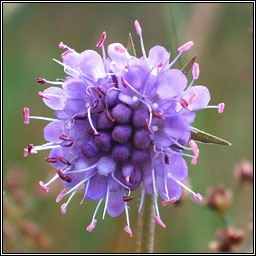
[121,122]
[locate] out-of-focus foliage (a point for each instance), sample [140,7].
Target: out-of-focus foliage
[223,45]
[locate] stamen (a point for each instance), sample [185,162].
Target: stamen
[120,183]
[64,161]
[102,91]
[109,116]
[148,127]
[43,81]
[185,47]
[63,46]
[184,104]
[142,198]
[166,159]
[43,118]
[69,145]
[159,221]
[97,208]
[43,186]
[170,201]
[66,138]
[51,160]
[101,40]
[123,82]
[66,53]
[137,27]
[198,197]
[85,192]
[192,97]
[106,201]
[157,115]
[127,198]
[26,115]
[221,107]
[95,104]
[63,209]
[155,192]
[43,96]
[92,226]
[126,84]
[66,67]
[60,195]
[106,98]
[127,228]
[96,133]
[85,169]
[150,112]
[195,150]
[63,176]
[195,70]
[55,177]
[165,186]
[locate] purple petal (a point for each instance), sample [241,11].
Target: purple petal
[147,179]
[98,187]
[53,131]
[177,169]
[115,203]
[71,60]
[91,64]
[75,107]
[173,188]
[171,83]
[57,98]
[75,88]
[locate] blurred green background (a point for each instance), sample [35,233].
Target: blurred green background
[224,47]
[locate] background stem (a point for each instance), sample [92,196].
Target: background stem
[146,227]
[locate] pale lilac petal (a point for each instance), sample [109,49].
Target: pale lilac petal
[57,98]
[53,131]
[91,64]
[75,88]
[71,60]
[202,99]
[119,54]
[157,55]
[177,169]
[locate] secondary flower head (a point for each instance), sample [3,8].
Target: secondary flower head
[121,123]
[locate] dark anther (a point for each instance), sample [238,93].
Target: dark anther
[166,159]
[95,104]
[123,82]
[69,145]
[127,198]
[95,90]
[51,160]
[132,177]
[102,91]
[108,116]
[157,115]
[63,176]
[148,128]
[66,138]
[64,161]
[41,80]
[30,146]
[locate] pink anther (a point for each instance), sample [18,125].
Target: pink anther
[26,115]
[60,195]
[128,231]
[170,201]
[137,27]
[195,70]
[62,46]
[184,104]
[221,107]
[185,47]
[43,95]
[92,226]
[159,221]
[101,40]
[119,49]
[66,53]
[195,150]
[193,97]
[42,185]
[198,197]
[63,208]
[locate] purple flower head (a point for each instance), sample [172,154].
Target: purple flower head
[121,123]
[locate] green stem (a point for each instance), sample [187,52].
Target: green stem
[146,227]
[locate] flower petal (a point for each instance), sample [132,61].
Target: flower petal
[53,131]
[115,203]
[97,188]
[57,98]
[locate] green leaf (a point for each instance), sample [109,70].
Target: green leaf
[207,138]
[188,65]
[130,46]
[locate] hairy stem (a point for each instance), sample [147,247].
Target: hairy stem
[146,227]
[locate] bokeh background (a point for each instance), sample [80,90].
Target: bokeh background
[223,43]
